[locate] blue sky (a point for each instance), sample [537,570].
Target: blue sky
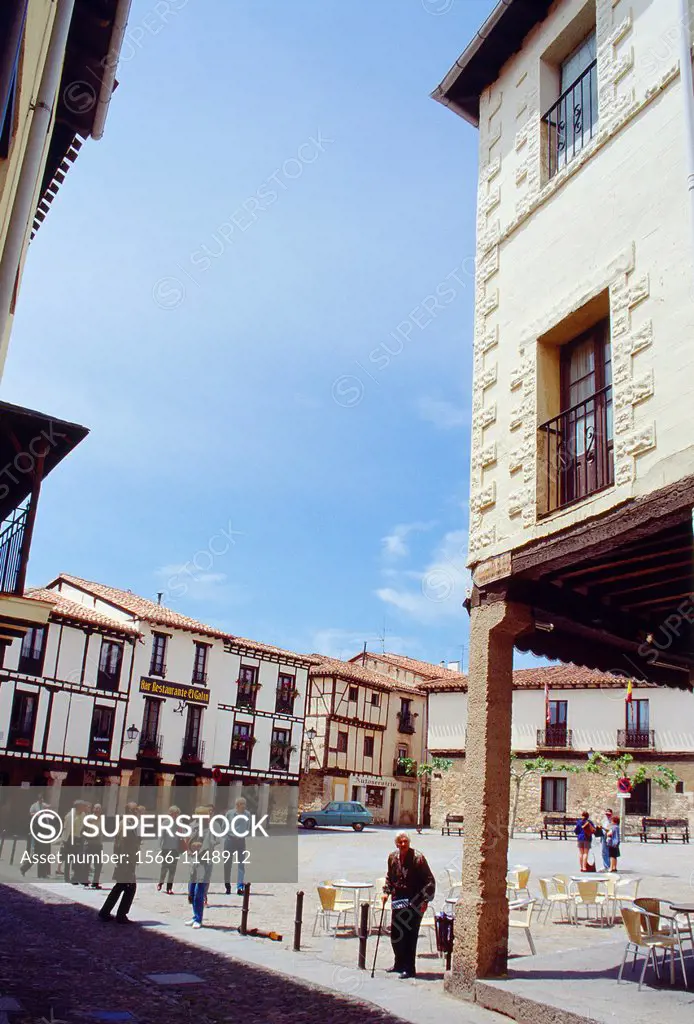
[256,292]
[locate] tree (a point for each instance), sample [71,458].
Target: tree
[618,768]
[425,770]
[529,769]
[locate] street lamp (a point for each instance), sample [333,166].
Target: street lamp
[309,736]
[132,733]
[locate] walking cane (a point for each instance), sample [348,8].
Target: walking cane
[378,937]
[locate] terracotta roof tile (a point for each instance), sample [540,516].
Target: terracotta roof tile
[158,615]
[422,668]
[358,674]
[72,611]
[557,677]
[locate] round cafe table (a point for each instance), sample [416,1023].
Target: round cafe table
[686,910]
[356,888]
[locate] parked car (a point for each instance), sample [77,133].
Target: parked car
[336,813]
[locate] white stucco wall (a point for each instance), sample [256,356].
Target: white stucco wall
[593,716]
[615,219]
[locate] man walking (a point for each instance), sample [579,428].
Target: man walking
[235,845]
[126,847]
[411,885]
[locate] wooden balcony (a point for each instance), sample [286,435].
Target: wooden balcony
[406,723]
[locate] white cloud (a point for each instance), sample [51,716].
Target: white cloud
[441,586]
[443,414]
[183,582]
[344,643]
[394,544]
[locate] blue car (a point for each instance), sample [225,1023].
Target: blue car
[337,813]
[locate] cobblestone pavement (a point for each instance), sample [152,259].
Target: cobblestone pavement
[60,963]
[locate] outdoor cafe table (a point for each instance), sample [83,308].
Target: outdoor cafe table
[686,910]
[356,888]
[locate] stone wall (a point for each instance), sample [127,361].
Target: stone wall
[584,792]
[311,791]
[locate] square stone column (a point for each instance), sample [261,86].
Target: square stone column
[481,920]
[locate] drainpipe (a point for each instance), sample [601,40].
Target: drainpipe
[32,164]
[688,95]
[120,23]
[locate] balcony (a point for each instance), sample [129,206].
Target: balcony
[403,770]
[636,739]
[575,457]
[199,677]
[247,695]
[100,748]
[554,736]
[284,701]
[279,756]
[150,747]
[31,446]
[20,739]
[572,121]
[241,750]
[406,722]
[193,752]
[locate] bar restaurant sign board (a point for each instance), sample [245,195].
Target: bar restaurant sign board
[179,691]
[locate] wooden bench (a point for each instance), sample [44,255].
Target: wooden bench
[664,829]
[557,827]
[453,825]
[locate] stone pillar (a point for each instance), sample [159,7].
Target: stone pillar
[54,781]
[481,921]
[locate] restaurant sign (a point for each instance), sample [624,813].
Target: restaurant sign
[179,691]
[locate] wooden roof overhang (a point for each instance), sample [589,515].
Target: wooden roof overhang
[88,56]
[29,439]
[615,593]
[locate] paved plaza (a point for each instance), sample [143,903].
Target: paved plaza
[64,916]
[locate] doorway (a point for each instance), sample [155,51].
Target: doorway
[393,806]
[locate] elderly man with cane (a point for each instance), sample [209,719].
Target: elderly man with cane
[411,886]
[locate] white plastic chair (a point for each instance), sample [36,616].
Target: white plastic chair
[523,921]
[428,927]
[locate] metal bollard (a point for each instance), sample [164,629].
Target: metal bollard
[364,913]
[298,916]
[243,927]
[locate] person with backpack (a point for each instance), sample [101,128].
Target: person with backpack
[585,830]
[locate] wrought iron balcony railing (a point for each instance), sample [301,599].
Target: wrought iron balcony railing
[636,739]
[554,736]
[193,752]
[406,722]
[576,452]
[241,749]
[11,541]
[572,121]
[150,745]
[246,697]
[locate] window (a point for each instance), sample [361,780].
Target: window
[157,665]
[248,686]
[33,651]
[571,122]
[368,746]
[374,796]
[577,445]
[405,716]
[110,661]
[200,663]
[12,21]
[101,733]
[241,744]
[555,730]
[286,694]
[150,740]
[192,747]
[376,700]
[342,742]
[279,749]
[637,732]
[553,795]
[679,786]
[353,693]
[639,803]
[23,720]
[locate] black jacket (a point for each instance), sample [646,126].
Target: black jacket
[410,879]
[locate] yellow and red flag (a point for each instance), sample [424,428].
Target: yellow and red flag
[630,687]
